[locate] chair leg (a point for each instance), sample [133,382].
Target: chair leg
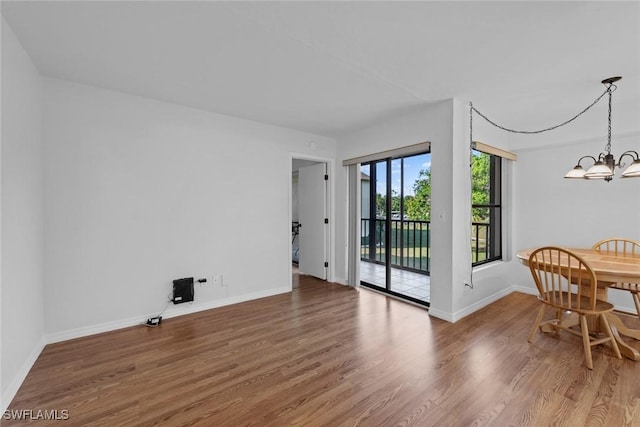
[536,324]
[636,300]
[586,341]
[560,315]
[607,330]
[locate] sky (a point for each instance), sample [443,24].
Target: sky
[412,167]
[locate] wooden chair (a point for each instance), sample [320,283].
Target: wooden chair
[567,283]
[625,247]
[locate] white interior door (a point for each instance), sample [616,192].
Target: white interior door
[312,198]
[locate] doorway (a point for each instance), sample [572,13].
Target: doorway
[309,218]
[395,226]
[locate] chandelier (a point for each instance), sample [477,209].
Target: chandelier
[604,165]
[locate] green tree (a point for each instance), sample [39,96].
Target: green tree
[480,173]
[395,201]
[381,203]
[419,207]
[408,200]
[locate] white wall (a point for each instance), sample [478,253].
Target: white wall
[21,313]
[542,207]
[433,123]
[572,213]
[576,213]
[490,281]
[445,125]
[140,192]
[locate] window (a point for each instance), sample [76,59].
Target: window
[486,208]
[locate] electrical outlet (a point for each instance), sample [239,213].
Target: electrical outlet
[216,279]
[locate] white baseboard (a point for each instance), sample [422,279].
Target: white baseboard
[180,310]
[440,314]
[454,317]
[18,379]
[341,280]
[524,289]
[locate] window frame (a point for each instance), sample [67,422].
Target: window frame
[494,251]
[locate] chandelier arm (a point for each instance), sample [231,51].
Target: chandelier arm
[629,153]
[586,157]
[610,88]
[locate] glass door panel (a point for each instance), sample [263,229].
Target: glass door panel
[378,225]
[395,226]
[365,213]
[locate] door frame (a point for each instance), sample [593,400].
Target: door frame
[331,212]
[387,162]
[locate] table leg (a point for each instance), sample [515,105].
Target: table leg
[617,327]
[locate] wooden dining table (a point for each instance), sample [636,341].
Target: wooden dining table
[609,269]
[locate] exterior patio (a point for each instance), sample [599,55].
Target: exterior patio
[409,283]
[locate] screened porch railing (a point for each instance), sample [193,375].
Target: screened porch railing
[411,243]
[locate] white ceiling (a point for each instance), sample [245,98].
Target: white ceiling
[334,67]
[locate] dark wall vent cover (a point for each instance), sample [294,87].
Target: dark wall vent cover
[183,290]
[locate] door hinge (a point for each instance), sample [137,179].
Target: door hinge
[326,177]
[326,220]
[326,264]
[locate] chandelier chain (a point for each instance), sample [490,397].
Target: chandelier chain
[471,123]
[608,147]
[471,144]
[610,88]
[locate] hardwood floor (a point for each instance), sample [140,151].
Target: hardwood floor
[327,355]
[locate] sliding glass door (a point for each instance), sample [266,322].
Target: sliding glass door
[395,232]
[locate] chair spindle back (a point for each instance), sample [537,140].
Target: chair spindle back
[563,278]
